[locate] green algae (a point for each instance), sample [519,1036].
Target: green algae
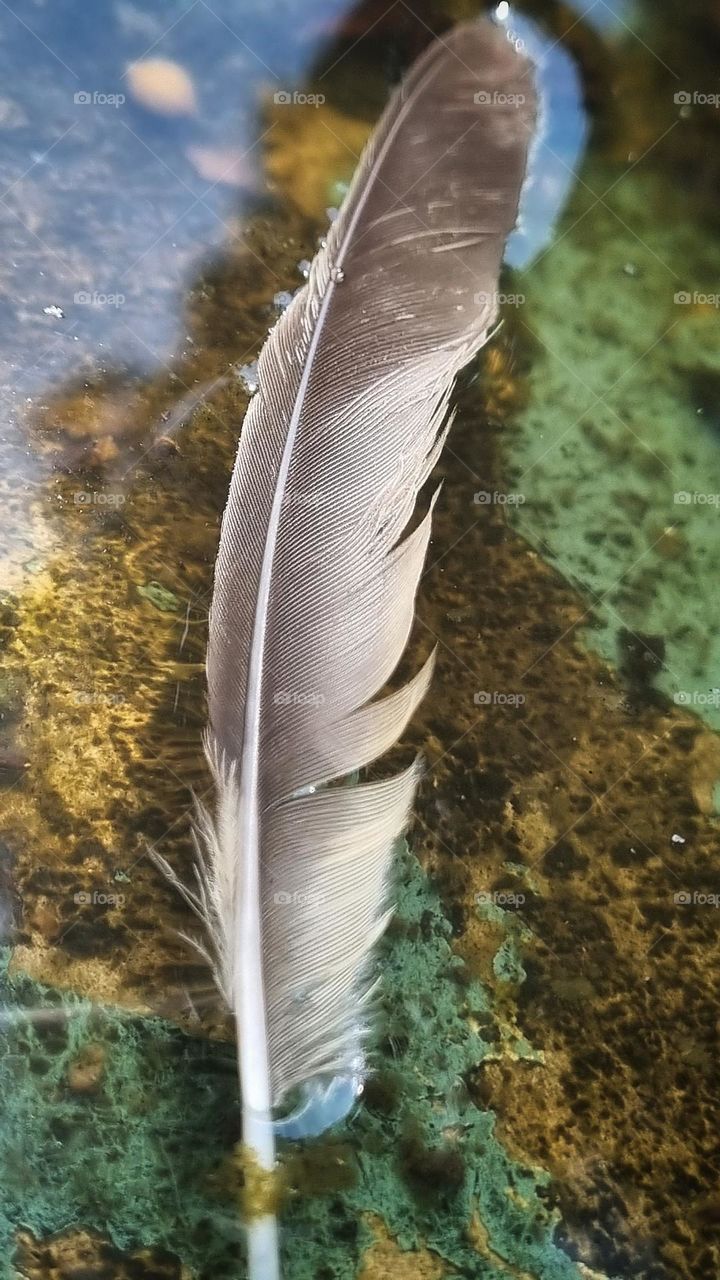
[507,963]
[163,599]
[140,1159]
[131,1161]
[616,451]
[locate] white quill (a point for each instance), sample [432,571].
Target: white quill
[316,579]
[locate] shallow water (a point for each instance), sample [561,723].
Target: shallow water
[545,1097]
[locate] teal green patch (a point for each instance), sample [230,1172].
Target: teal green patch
[523,873]
[488,910]
[507,963]
[616,454]
[132,1161]
[160,597]
[141,1159]
[337,191]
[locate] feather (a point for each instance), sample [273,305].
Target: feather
[316,577]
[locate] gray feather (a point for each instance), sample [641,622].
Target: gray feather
[315,580]
[316,574]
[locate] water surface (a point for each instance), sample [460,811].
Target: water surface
[545,1094]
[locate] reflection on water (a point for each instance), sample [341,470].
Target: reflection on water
[111,199]
[556,153]
[546,1098]
[608,15]
[106,204]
